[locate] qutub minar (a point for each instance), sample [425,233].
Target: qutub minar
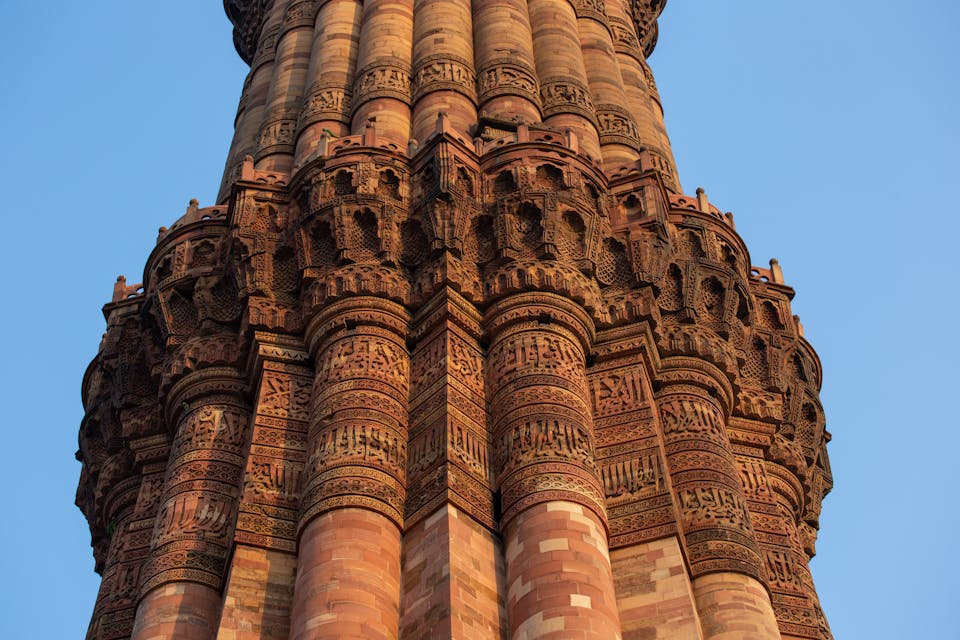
[453,356]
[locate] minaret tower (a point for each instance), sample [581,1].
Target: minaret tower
[453,356]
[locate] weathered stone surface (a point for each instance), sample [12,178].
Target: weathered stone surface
[453,356]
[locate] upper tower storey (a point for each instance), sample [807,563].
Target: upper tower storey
[247,18]
[390,68]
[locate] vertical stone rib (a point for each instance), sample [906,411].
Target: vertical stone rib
[664,162]
[258,591]
[507,84]
[348,569]
[795,599]
[275,142]
[452,559]
[642,97]
[619,142]
[113,599]
[382,87]
[725,561]
[554,519]
[564,90]
[131,506]
[194,527]
[253,100]
[333,63]
[443,77]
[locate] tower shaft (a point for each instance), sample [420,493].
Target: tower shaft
[453,356]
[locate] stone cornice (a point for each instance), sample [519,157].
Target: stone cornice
[645,16]
[247,19]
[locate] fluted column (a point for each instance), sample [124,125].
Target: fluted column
[112,612]
[660,149]
[506,68]
[130,507]
[253,100]
[641,93]
[722,551]
[276,140]
[564,88]
[794,594]
[348,568]
[443,78]
[619,142]
[382,86]
[553,516]
[333,63]
[194,526]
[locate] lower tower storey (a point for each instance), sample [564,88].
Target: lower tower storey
[483,391]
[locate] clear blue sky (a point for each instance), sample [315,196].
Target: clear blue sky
[830,130]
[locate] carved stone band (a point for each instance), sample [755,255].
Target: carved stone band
[617,126]
[591,10]
[660,162]
[651,82]
[326,102]
[625,39]
[710,499]
[564,95]
[387,78]
[276,136]
[508,77]
[300,14]
[443,72]
[267,49]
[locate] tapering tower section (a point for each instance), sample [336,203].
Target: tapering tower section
[453,356]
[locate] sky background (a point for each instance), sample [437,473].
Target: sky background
[830,131]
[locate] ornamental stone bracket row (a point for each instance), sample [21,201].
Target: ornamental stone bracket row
[491,333]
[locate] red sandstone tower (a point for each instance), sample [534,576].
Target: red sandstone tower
[453,356]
